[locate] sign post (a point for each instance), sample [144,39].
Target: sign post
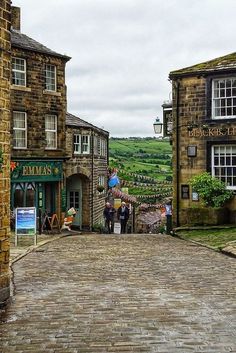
[26,222]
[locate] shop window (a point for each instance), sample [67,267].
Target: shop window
[18,72]
[224,164]
[19,130]
[24,195]
[224,98]
[50,78]
[30,195]
[51,131]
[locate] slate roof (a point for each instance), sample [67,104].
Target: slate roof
[226,62]
[22,41]
[72,120]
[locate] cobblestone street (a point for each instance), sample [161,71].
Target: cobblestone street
[113,293]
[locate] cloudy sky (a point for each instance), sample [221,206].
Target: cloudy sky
[123,50]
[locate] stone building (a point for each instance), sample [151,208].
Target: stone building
[203,132]
[86,170]
[38,120]
[5,19]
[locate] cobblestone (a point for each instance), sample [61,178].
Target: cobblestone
[130,293]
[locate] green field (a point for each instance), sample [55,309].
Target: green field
[138,159]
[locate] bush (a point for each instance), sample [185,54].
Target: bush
[211,190]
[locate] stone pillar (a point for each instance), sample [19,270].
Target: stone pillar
[5,62]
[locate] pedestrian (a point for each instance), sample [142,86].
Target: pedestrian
[109,213]
[123,216]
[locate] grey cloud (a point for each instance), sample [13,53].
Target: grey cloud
[123,50]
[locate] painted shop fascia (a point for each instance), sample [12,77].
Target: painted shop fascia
[203,135]
[41,171]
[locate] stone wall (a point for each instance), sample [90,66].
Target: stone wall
[190,106]
[88,167]
[36,102]
[5,18]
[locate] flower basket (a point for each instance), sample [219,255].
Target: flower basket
[100,188]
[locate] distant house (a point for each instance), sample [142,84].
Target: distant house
[203,131]
[86,170]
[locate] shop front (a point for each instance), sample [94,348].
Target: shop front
[37,184]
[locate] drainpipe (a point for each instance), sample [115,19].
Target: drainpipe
[92,172]
[177,153]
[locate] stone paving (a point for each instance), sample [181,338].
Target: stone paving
[130,293]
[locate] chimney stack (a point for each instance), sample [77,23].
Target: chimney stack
[15,18]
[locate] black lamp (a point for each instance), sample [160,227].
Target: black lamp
[157,125]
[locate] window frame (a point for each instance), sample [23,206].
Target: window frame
[85,144]
[19,129]
[82,149]
[103,147]
[54,131]
[77,143]
[224,166]
[15,71]
[218,98]
[50,86]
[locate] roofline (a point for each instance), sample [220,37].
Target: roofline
[53,54]
[90,126]
[176,75]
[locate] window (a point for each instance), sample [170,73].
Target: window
[77,144]
[85,144]
[51,131]
[50,77]
[19,130]
[18,72]
[185,191]
[224,164]
[224,98]
[103,147]
[81,144]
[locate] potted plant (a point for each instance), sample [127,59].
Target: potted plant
[214,195]
[100,188]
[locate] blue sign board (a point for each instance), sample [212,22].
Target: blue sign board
[26,220]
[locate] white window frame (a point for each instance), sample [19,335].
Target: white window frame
[103,147]
[50,78]
[77,144]
[223,164]
[17,71]
[81,144]
[85,144]
[51,131]
[224,98]
[15,129]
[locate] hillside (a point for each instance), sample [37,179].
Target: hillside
[144,166]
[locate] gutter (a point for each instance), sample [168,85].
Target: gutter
[177,153]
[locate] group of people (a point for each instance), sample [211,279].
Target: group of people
[122,216]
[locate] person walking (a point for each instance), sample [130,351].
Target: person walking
[123,216]
[109,213]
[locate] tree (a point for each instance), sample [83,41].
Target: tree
[212,191]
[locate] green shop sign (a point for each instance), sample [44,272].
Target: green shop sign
[36,171]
